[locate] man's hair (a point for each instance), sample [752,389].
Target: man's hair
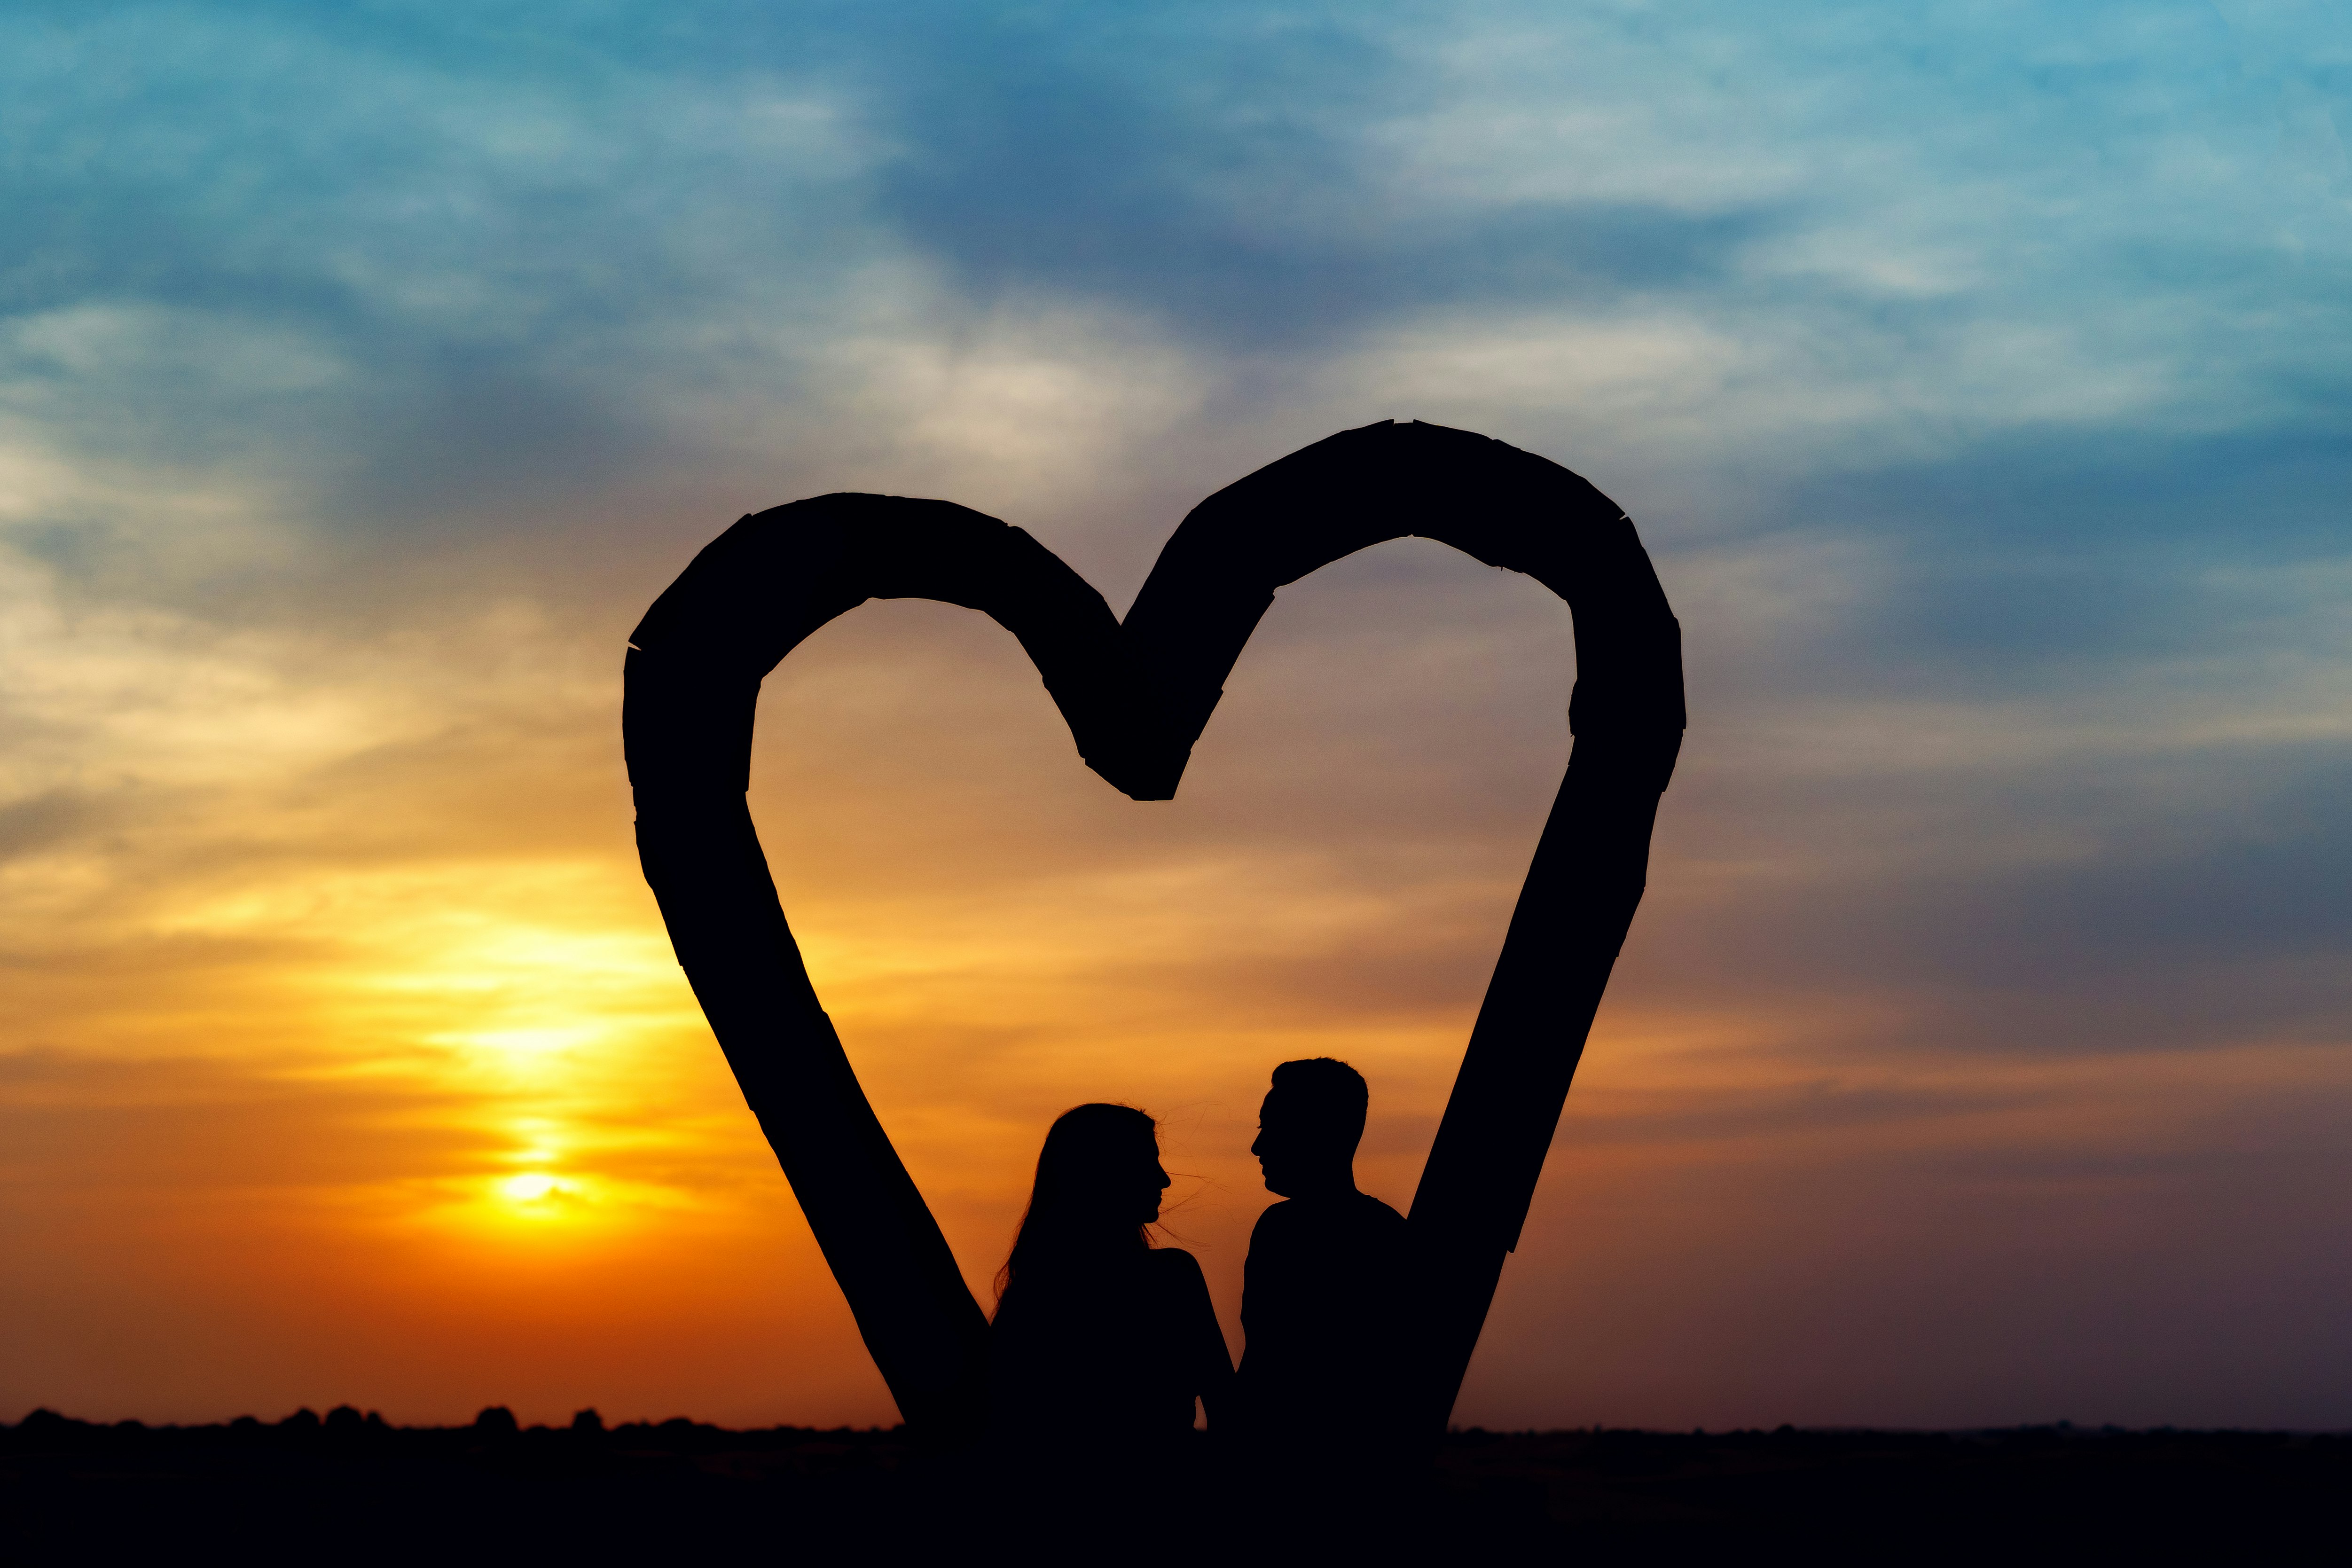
[1325,1093]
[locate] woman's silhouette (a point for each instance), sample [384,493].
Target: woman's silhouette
[1101,1342]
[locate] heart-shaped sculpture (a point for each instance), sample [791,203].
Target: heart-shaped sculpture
[1137,696]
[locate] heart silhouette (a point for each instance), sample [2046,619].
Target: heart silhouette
[1137,696]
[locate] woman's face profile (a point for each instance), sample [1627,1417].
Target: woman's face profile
[1150,1181]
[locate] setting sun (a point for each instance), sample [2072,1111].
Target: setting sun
[1974,377]
[534,1188]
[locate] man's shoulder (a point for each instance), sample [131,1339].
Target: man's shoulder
[1275,1219]
[1359,1216]
[1283,1235]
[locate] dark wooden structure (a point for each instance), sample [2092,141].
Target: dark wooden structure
[1136,697]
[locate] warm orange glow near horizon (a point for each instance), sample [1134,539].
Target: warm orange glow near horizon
[1982,1052]
[378,1082]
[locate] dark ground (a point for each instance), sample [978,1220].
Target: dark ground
[351,1488]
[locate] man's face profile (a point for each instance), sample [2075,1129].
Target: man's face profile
[1270,1147]
[1291,1151]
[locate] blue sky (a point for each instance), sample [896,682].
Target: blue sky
[1977,375]
[1852,241]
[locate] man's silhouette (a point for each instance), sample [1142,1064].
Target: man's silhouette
[1319,1297]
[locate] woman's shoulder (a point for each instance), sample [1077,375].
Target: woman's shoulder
[1173,1262]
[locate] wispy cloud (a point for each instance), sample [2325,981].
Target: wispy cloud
[1975,372]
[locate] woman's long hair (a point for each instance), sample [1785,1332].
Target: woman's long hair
[1071,1214]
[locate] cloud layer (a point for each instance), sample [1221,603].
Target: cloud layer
[1975,372]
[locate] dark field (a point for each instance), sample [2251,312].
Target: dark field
[351,1488]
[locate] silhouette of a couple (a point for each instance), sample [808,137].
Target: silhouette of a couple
[1102,1342]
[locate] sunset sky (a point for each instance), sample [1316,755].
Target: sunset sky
[1977,373]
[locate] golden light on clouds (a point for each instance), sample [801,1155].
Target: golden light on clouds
[1976,1055]
[350,1029]
[364,1048]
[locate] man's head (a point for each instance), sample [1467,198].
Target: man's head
[1309,1127]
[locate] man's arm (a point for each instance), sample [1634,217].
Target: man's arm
[1261,1285]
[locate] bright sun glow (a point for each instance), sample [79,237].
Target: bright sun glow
[533,1186]
[543,1021]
